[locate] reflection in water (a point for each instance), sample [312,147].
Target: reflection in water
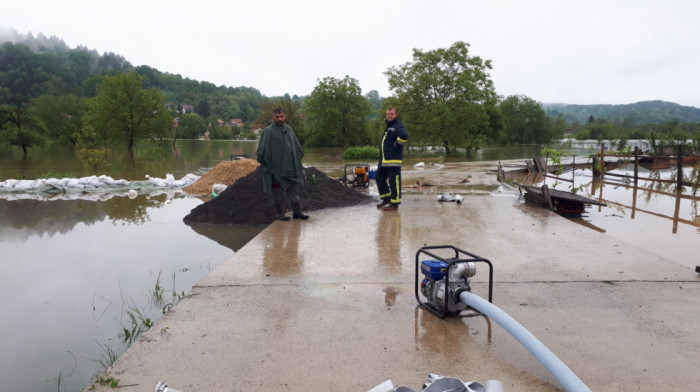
[282,256]
[230,236]
[390,295]
[388,239]
[83,273]
[34,217]
[653,215]
[448,337]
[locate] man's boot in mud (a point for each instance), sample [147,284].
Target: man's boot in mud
[279,213]
[296,212]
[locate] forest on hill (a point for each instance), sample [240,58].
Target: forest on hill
[628,115]
[33,66]
[51,93]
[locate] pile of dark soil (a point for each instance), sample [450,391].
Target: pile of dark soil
[244,202]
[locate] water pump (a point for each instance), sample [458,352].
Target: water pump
[446,287]
[444,279]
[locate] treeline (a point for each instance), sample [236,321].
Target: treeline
[663,124]
[628,115]
[445,97]
[46,66]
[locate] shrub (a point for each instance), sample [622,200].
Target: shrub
[357,153]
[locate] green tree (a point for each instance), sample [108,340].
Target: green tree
[19,128]
[123,111]
[336,114]
[525,120]
[62,116]
[220,132]
[600,130]
[191,126]
[292,109]
[203,108]
[442,97]
[559,127]
[375,101]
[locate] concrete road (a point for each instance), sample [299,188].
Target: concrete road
[328,305]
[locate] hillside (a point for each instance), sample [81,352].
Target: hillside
[34,66]
[645,112]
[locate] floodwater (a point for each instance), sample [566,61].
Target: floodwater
[651,215]
[83,278]
[74,272]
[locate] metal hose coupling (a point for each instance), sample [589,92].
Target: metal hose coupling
[163,387]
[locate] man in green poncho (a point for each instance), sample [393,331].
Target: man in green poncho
[279,154]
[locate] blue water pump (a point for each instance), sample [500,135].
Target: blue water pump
[444,279]
[446,287]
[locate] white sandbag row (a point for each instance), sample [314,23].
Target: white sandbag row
[78,188]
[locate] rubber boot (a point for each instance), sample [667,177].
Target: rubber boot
[384,203]
[296,212]
[279,213]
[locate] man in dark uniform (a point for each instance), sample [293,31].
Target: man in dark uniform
[279,153]
[388,175]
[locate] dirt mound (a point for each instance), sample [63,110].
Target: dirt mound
[244,202]
[225,172]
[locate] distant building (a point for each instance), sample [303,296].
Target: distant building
[187,108]
[236,122]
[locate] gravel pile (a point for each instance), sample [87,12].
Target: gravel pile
[244,202]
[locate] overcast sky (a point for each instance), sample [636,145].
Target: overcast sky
[583,52]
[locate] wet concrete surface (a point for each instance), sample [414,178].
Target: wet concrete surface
[328,304]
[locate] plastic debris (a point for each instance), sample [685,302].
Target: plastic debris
[216,189]
[447,196]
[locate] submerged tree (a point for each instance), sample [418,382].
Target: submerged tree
[20,128]
[525,120]
[60,114]
[123,111]
[191,126]
[445,96]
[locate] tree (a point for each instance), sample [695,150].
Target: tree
[60,114]
[336,114]
[123,111]
[19,128]
[443,97]
[600,130]
[203,108]
[191,126]
[291,109]
[525,120]
[375,101]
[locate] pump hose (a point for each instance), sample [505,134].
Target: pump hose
[563,374]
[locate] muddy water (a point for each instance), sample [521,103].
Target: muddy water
[75,272]
[83,277]
[650,215]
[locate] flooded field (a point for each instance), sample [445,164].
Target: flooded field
[651,215]
[84,278]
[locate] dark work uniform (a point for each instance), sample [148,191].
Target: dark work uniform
[388,176]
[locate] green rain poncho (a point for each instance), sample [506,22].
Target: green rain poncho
[280,153]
